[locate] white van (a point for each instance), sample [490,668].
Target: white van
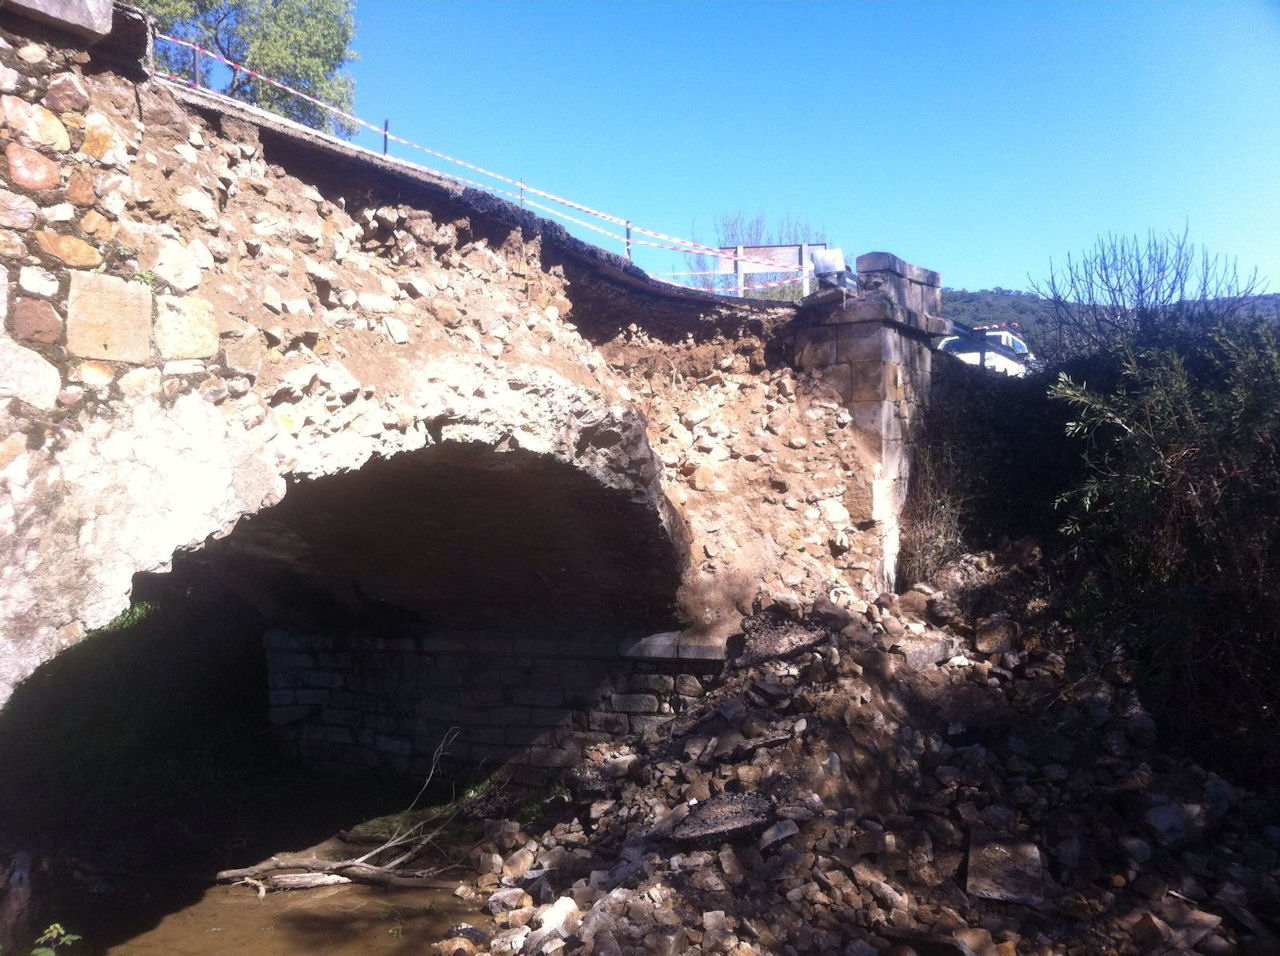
[1000,348]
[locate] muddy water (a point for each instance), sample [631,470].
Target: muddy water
[139,763]
[335,920]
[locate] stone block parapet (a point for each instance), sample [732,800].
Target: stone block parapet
[916,289]
[90,19]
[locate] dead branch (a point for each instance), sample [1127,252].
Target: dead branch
[403,846]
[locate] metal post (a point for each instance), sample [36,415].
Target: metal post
[386,124]
[804,268]
[628,240]
[196,66]
[522,194]
[738,274]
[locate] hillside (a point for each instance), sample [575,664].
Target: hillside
[995,305]
[990,306]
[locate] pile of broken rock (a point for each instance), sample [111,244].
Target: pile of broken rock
[914,781]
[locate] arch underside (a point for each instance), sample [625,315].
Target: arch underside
[456,535]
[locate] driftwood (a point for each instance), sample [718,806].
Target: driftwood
[277,874]
[386,865]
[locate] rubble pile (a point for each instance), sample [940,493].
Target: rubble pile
[916,779]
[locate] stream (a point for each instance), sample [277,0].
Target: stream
[332,920]
[139,763]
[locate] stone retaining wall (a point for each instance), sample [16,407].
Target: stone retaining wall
[873,348]
[524,703]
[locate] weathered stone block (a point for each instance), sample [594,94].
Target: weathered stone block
[185,327]
[86,18]
[695,650]
[70,250]
[243,356]
[608,723]
[108,318]
[816,348]
[874,262]
[66,93]
[30,170]
[875,382]
[651,683]
[688,685]
[871,310]
[538,696]
[474,735]
[642,722]
[490,752]
[178,265]
[35,124]
[865,342]
[289,661]
[896,458]
[877,417]
[36,320]
[885,496]
[839,378]
[17,211]
[509,716]
[635,703]
[664,646]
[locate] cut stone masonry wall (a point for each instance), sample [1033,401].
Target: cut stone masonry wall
[523,704]
[873,348]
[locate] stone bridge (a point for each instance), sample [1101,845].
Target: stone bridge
[416,428]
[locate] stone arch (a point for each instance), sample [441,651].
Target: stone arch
[148,478]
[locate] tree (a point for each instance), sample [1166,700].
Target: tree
[735,229]
[1125,287]
[302,43]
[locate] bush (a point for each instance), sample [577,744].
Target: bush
[1177,525]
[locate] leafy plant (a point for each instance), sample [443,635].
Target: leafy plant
[988,463]
[134,614]
[53,938]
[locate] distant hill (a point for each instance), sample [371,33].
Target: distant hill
[990,306]
[1268,305]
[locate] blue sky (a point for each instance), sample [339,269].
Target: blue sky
[978,139]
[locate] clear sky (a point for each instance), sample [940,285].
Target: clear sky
[978,139]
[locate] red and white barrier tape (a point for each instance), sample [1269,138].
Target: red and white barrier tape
[684,245]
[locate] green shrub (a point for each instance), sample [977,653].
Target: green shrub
[1176,524]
